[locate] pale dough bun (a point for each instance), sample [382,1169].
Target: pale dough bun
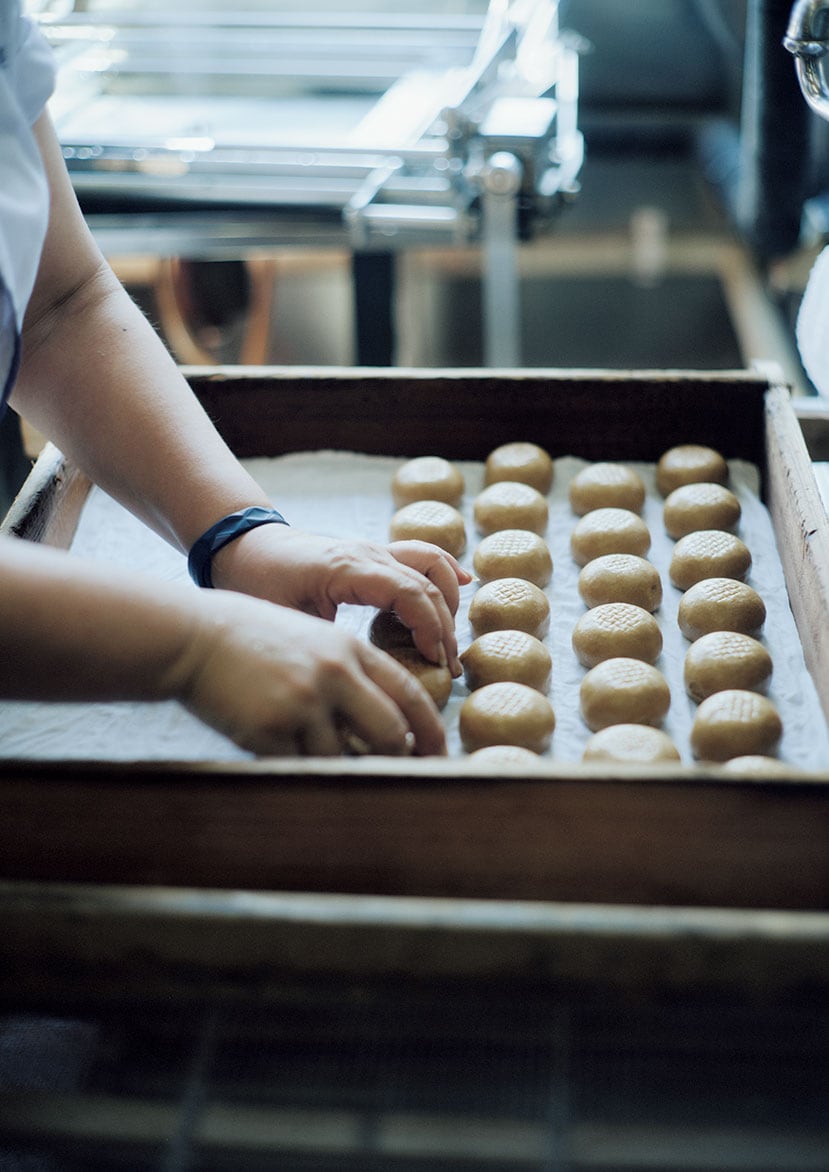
[614,629]
[506,714]
[509,604]
[509,504]
[525,462]
[759,766]
[725,659]
[621,577]
[436,680]
[623,691]
[720,604]
[497,656]
[513,553]
[708,553]
[700,506]
[433,521]
[427,478]
[631,744]
[387,631]
[735,723]
[689,464]
[606,485]
[609,530]
[504,755]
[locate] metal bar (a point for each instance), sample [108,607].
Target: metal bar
[501,287]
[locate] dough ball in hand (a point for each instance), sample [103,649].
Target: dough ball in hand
[437,680]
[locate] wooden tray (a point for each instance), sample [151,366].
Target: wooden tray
[439,866]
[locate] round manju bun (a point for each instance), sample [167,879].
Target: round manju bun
[525,462]
[513,553]
[606,531]
[735,723]
[509,504]
[708,553]
[700,506]
[624,691]
[427,478]
[509,604]
[621,577]
[614,629]
[432,521]
[606,485]
[631,744]
[690,464]
[506,714]
[499,656]
[720,604]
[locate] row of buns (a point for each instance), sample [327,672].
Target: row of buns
[618,639]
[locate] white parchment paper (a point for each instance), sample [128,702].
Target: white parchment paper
[349,495]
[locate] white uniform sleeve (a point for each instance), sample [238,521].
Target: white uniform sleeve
[27,77]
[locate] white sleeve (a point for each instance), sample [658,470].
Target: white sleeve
[26,83]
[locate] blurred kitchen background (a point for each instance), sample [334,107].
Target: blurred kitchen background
[454,183]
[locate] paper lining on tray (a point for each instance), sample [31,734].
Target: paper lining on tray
[349,495]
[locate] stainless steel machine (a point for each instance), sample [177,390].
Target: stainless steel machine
[383,126]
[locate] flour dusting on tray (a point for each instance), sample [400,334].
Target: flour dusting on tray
[349,495]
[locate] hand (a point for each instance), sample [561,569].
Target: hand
[275,681]
[314,574]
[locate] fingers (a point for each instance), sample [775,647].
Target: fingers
[435,564]
[378,708]
[405,709]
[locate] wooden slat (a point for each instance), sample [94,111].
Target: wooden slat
[801,526]
[88,1124]
[386,827]
[463,414]
[48,506]
[74,942]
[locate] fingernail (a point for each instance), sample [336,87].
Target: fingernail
[443,659]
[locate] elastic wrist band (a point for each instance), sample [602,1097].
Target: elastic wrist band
[200,558]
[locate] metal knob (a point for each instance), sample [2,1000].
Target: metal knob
[502,174]
[803,39]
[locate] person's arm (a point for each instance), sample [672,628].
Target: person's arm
[96,379]
[272,680]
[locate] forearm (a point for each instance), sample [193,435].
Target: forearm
[96,380]
[73,630]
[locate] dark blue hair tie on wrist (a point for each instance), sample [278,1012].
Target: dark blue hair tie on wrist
[200,558]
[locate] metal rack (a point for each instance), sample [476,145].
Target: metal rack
[384,130]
